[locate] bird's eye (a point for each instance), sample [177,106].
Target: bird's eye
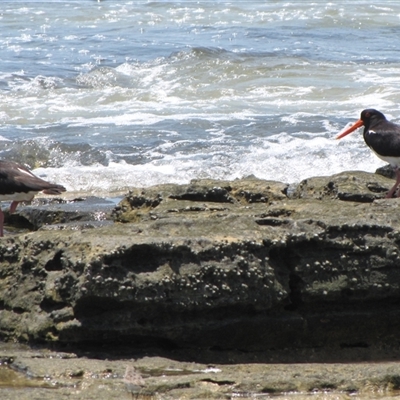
[368,114]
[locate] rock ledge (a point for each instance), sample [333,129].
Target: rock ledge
[251,265]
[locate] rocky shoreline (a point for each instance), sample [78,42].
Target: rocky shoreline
[214,272]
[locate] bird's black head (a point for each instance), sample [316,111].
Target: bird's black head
[371,117]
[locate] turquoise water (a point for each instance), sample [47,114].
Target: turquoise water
[105,95]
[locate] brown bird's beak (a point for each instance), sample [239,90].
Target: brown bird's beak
[359,123]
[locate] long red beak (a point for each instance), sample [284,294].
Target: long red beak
[359,123]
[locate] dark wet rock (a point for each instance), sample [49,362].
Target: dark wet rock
[199,195]
[214,264]
[388,171]
[55,213]
[357,186]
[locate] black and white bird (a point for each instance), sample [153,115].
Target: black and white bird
[18,184]
[382,137]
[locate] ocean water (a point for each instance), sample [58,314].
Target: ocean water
[104,95]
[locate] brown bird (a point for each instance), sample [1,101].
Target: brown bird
[19,184]
[382,137]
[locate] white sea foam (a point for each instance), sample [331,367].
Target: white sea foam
[285,159]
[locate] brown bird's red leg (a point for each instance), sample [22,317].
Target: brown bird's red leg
[1,223]
[393,189]
[13,206]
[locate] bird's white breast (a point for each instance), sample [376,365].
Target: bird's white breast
[394,161]
[18,196]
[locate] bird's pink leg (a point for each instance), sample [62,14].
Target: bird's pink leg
[393,189]
[13,206]
[12,209]
[1,223]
